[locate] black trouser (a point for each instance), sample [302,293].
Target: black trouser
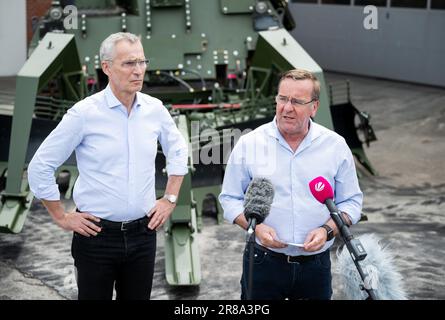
[278,277]
[115,257]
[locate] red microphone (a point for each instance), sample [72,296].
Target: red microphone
[321,189]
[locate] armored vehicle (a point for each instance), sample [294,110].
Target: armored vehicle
[214,63]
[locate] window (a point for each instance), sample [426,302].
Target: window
[437,4]
[336,1]
[409,3]
[377,3]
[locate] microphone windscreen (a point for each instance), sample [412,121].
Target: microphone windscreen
[321,189]
[379,266]
[258,199]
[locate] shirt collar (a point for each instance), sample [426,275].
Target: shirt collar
[313,133]
[112,101]
[273,130]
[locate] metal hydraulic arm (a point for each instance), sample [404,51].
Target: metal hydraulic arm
[55,57]
[182,265]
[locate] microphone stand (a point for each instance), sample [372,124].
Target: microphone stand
[250,239]
[354,246]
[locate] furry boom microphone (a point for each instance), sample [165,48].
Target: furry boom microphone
[377,276]
[379,266]
[257,201]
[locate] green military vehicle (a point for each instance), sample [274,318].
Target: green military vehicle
[214,63]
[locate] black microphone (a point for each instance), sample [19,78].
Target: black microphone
[257,202]
[323,192]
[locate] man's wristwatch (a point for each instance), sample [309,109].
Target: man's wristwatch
[171,198]
[329,231]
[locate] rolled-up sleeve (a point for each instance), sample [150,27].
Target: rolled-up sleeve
[236,181]
[174,146]
[348,196]
[52,153]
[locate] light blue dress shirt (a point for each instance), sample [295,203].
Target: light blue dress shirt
[294,211]
[115,153]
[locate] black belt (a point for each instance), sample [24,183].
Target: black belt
[285,257]
[121,225]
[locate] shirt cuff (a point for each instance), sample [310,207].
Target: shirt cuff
[352,213]
[176,170]
[50,193]
[233,211]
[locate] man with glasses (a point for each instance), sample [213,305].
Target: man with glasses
[114,134]
[291,254]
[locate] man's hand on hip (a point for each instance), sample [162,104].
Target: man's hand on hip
[80,222]
[160,213]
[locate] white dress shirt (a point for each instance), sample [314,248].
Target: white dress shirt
[294,212]
[115,153]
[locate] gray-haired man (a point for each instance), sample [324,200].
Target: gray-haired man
[114,134]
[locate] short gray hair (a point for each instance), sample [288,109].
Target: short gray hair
[301,74]
[108,45]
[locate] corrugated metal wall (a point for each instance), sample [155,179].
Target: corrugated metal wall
[12,36]
[409,44]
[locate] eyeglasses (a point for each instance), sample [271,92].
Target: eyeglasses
[293,102]
[131,64]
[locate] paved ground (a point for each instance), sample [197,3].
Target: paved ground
[405,205]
